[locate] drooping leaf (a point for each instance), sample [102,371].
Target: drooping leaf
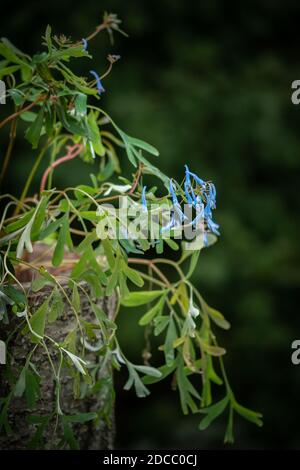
[77,361]
[132,274]
[95,134]
[38,321]
[56,307]
[169,342]
[155,310]
[212,412]
[81,417]
[248,414]
[32,389]
[33,132]
[134,299]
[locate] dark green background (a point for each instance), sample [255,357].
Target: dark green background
[209,84]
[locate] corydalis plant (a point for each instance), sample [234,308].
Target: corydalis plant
[63,121]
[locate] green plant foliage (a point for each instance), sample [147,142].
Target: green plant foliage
[62,116]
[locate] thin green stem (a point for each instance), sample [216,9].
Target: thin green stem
[12,137]
[31,176]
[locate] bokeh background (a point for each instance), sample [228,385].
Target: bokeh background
[208,83]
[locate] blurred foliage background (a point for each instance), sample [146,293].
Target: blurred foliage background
[209,85]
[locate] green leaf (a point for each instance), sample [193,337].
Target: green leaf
[113,280]
[77,361]
[108,251]
[52,227]
[164,371]
[62,240]
[4,420]
[212,350]
[21,383]
[48,37]
[66,54]
[95,134]
[50,118]
[81,417]
[172,244]
[80,104]
[186,390]
[155,310]
[160,322]
[25,239]
[143,145]
[32,390]
[69,435]
[33,132]
[39,216]
[151,371]
[99,312]
[20,222]
[56,307]
[17,96]
[8,70]
[37,322]
[217,317]
[134,299]
[76,304]
[10,52]
[169,343]
[132,274]
[37,439]
[70,123]
[16,295]
[124,291]
[212,412]
[135,380]
[193,263]
[28,116]
[38,283]
[250,415]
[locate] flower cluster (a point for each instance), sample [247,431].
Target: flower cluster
[197,194]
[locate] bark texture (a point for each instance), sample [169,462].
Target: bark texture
[89,436]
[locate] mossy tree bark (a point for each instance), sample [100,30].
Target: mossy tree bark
[89,435]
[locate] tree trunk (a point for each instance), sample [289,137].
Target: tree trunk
[88,435]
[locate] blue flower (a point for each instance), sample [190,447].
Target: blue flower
[205,212]
[197,179]
[98,82]
[200,213]
[212,195]
[188,186]
[144,202]
[213,227]
[170,225]
[85,44]
[174,197]
[176,205]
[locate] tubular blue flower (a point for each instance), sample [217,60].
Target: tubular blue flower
[170,225]
[200,213]
[213,227]
[207,210]
[212,195]
[98,82]
[197,179]
[203,212]
[176,205]
[85,44]
[188,186]
[144,201]
[174,197]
